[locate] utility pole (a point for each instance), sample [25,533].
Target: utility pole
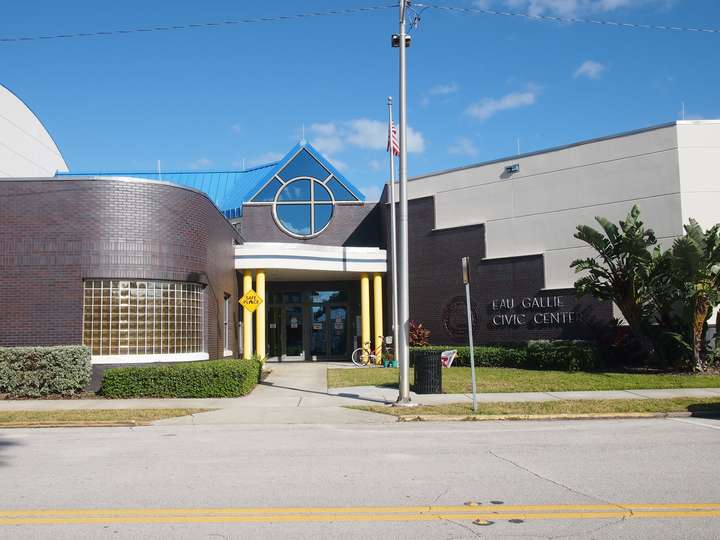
[403,347]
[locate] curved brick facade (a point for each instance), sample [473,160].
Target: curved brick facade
[56,233]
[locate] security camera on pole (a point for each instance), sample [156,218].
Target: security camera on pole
[402,41]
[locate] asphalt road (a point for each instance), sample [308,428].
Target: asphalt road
[581,479]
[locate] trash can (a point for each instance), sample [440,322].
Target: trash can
[428,372]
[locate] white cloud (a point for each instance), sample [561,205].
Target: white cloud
[372,193]
[202,163]
[487,107]
[439,90]
[326,137]
[444,89]
[339,164]
[590,69]
[569,8]
[463,146]
[236,129]
[332,137]
[375,165]
[262,159]
[415,142]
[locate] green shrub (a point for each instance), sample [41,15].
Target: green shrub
[563,356]
[550,355]
[42,371]
[214,378]
[485,356]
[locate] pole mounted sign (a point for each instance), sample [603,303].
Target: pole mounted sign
[466,282]
[251,300]
[466,270]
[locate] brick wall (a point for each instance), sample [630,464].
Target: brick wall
[55,233]
[356,225]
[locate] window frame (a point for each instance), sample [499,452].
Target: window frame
[144,320]
[312,202]
[227,351]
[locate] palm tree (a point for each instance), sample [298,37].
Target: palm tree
[696,271]
[621,271]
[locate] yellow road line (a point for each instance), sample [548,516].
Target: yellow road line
[358,509]
[359,514]
[300,518]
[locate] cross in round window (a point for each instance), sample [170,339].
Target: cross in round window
[303,207]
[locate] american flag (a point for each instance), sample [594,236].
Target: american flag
[393,139]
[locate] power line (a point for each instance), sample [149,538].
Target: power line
[357,10]
[573,20]
[252,20]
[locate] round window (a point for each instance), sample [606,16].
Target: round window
[303,207]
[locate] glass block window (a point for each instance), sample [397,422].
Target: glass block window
[142,317]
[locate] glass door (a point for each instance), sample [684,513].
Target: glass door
[274,332]
[338,330]
[294,331]
[318,337]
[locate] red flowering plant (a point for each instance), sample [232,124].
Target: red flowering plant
[418,335]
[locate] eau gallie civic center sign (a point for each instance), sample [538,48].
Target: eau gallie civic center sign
[531,310]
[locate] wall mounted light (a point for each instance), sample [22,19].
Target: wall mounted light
[512,169]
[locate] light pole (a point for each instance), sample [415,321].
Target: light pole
[403,348]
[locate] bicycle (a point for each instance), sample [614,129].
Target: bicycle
[365,356]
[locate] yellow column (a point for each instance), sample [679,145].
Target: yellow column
[378,313]
[247,318]
[365,310]
[260,319]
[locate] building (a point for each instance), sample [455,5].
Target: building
[149,267]
[515,217]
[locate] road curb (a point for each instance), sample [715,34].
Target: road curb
[55,424]
[542,417]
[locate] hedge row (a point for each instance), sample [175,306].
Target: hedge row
[213,378]
[42,371]
[550,355]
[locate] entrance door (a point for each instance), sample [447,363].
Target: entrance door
[294,333]
[318,337]
[338,330]
[274,332]
[329,331]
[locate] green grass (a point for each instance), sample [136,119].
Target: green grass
[457,380]
[91,416]
[609,406]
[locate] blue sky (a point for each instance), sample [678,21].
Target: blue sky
[214,98]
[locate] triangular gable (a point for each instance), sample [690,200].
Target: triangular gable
[289,158]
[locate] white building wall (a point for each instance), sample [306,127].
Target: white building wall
[699,157]
[699,153]
[26,148]
[536,210]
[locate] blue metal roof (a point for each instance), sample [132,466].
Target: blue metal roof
[227,189]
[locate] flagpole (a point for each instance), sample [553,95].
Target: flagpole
[393,233]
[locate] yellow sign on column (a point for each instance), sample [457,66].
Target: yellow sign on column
[251,300]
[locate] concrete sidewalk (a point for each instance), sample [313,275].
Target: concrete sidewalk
[390,394]
[297,393]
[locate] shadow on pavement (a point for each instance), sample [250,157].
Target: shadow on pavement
[4,444]
[316,392]
[705,410]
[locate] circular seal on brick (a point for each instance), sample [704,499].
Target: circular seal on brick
[454,317]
